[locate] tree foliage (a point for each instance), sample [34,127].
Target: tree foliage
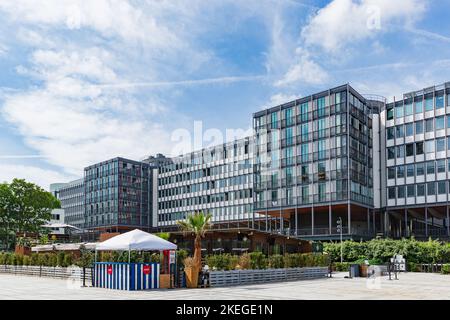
[24,207]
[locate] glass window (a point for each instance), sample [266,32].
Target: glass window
[410,150]
[419,106]
[421,190]
[448,143]
[448,122]
[429,104]
[440,166]
[420,169]
[429,125]
[431,188]
[401,151]
[391,153]
[442,187]
[399,111]
[391,193]
[399,131]
[391,173]
[400,172]
[440,144]
[390,113]
[419,127]
[430,167]
[448,100]
[429,146]
[274,117]
[390,133]
[401,192]
[440,123]
[409,109]
[410,170]
[409,129]
[439,101]
[419,148]
[411,190]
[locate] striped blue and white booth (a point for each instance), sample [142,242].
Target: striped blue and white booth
[126,276]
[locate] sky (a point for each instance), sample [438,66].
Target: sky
[86,81]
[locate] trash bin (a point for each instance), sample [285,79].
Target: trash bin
[354,271]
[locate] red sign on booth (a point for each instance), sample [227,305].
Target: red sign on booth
[109,269]
[146,269]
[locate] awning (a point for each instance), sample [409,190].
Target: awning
[136,240]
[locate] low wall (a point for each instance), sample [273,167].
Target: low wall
[242,277]
[53,272]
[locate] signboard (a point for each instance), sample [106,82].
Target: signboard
[399,263]
[109,269]
[146,269]
[172,257]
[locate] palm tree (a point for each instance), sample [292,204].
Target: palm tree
[197,223]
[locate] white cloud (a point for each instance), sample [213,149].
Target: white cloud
[343,22]
[340,26]
[41,177]
[304,70]
[73,123]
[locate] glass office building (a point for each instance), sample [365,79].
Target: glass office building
[118,196]
[382,168]
[314,161]
[418,164]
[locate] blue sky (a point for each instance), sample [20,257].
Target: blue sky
[82,82]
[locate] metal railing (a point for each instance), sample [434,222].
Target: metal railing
[75,273]
[244,277]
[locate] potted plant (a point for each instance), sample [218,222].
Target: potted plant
[23,246]
[197,223]
[191,270]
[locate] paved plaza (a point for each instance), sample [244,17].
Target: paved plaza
[417,286]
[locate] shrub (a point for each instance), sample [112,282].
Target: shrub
[181,255]
[258,260]
[52,260]
[342,266]
[34,260]
[60,258]
[412,267]
[244,261]
[276,261]
[446,269]
[26,260]
[67,260]
[107,257]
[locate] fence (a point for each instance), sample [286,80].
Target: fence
[53,272]
[242,277]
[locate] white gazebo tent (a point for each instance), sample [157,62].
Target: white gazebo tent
[136,240]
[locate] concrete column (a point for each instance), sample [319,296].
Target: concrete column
[349,217]
[312,220]
[330,222]
[296,222]
[448,221]
[386,214]
[426,221]
[368,221]
[406,223]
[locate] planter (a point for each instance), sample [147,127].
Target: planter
[363,268]
[25,251]
[191,277]
[165,280]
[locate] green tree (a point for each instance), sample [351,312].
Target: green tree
[7,218]
[32,206]
[197,223]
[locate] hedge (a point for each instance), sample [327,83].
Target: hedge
[257,260]
[382,250]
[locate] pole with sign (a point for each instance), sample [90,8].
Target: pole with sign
[339,229]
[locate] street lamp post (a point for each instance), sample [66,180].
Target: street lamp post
[339,229]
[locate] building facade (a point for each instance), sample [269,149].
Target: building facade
[417,142]
[71,196]
[314,164]
[118,196]
[381,168]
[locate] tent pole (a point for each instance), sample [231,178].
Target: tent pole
[129,257]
